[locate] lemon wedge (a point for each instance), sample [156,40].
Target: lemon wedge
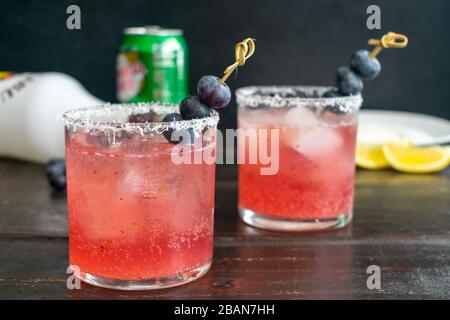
[371,156]
[406,158]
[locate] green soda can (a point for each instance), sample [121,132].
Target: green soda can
[152,65]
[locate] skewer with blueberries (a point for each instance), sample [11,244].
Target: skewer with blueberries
[212,92]
[363,65]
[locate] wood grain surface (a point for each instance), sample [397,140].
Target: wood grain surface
[402,224]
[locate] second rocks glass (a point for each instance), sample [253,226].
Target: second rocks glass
[315,137]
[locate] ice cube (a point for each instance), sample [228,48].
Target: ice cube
[312,142]
[100,215]
[298,117]
[141,181]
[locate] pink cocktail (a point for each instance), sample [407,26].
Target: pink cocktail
[313,187]
[137,218]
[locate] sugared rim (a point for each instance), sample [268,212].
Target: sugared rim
[257,96]
[82,118]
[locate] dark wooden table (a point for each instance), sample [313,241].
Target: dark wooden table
[401,224]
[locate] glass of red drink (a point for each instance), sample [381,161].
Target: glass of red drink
[313,186]
[138,219]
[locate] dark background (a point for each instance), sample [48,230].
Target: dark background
[298,42]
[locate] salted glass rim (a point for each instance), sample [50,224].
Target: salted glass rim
[257,96]
[82,118]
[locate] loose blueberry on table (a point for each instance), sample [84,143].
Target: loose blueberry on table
[56,174]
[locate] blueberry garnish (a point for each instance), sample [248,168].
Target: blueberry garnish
[169,118]
[348,82]
[172,117]
[332,94]
[334,108]
[56,174]
[364,65]
[185,136]
[192,107]
[213,92]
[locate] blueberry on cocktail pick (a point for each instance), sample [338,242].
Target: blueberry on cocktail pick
[192,107]
[332,94]
[364,65]
[334,108]
[348,82]
[56,174]
[169,118]
[185,136]
[213,92]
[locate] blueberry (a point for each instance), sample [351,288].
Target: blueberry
[214,93]
[364,65]
[348,82]
[172,117]
[56,174]
[332,94]
[169,118]
[186,136]
[192,107]
[334,108]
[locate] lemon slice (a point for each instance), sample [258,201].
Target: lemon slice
[371,156]
[405,158]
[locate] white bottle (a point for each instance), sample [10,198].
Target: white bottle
[31,108]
